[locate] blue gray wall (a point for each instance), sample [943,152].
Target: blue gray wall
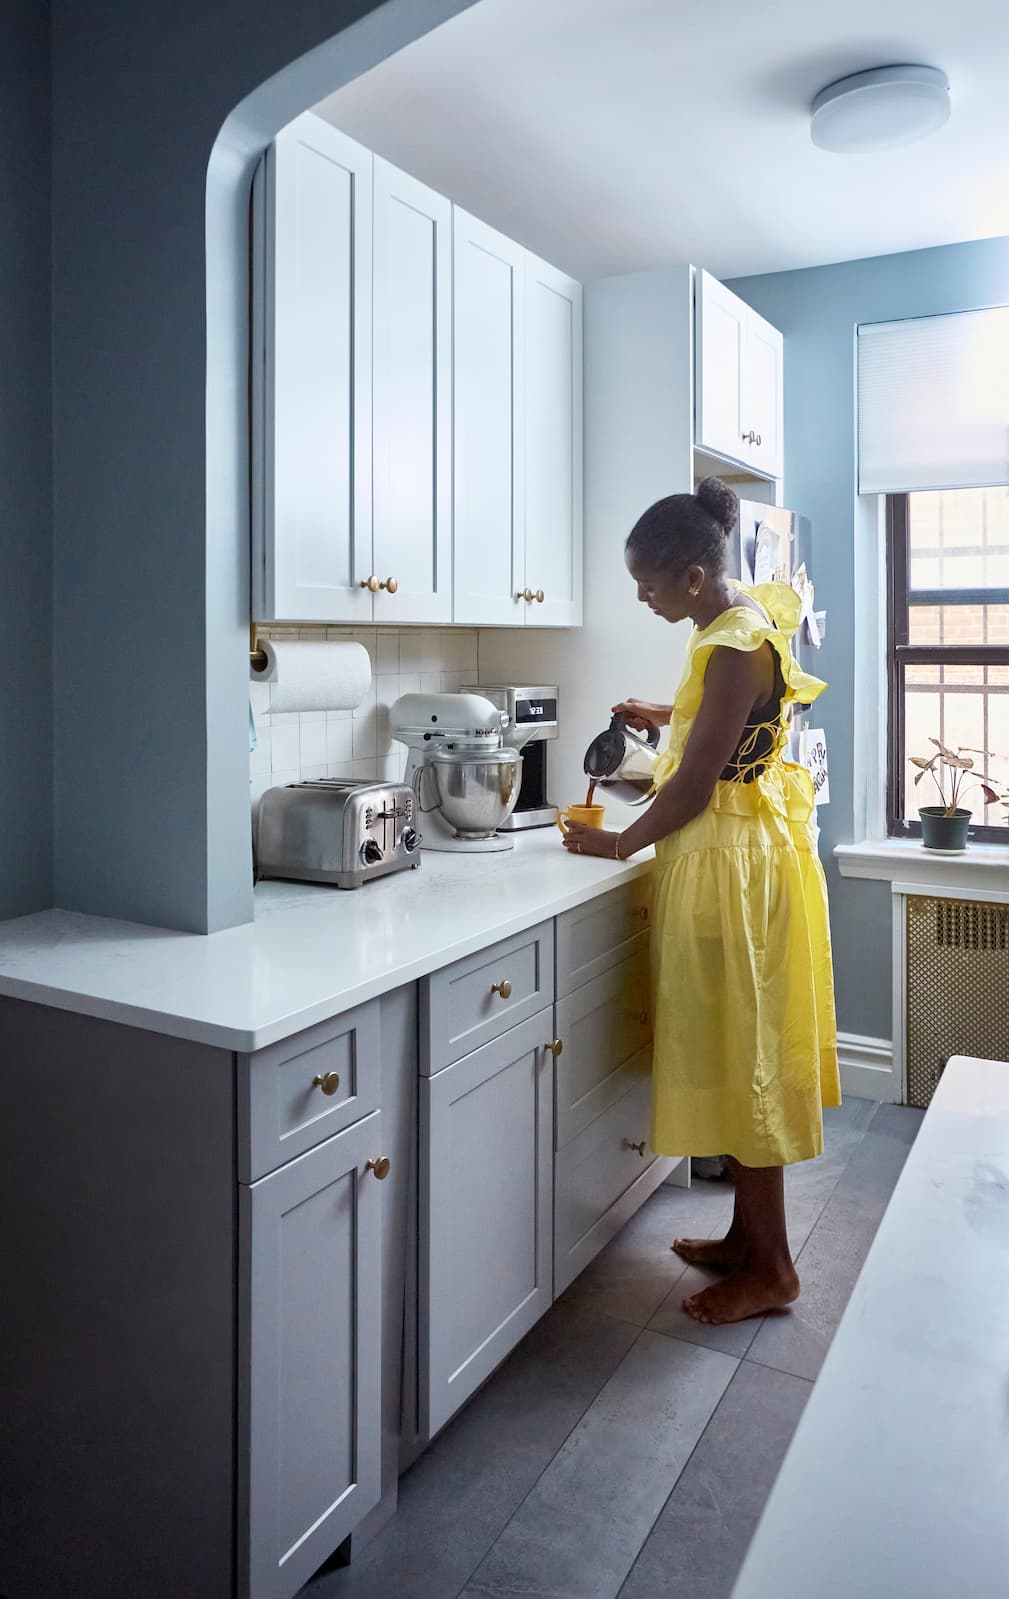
[26,735]
[160,109]
[817,311]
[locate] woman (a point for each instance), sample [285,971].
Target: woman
[745,1053]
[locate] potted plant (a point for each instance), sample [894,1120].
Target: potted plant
[945,826]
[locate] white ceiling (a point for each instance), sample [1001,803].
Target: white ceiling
[617,135]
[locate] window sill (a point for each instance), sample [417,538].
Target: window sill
[906,861]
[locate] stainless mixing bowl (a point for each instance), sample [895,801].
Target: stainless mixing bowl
[477,789]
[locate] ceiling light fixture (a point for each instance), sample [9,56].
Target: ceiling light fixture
[880,109]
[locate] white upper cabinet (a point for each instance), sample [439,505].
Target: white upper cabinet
[739,393]
[412,400]
[312,530]
[489,424]
[417,403]
[553,451]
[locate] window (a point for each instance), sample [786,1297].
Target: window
[948,646]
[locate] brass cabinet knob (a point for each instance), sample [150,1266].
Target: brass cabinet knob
[371,583]
[525,594]
[390,585]
[639,1147]
[380,1167]
[539,596]
[329,1082]
[642,911]
[504,988]
[750,438]
[555,1046]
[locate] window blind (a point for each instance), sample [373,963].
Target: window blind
[933,402]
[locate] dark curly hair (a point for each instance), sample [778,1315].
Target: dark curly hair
[686,529]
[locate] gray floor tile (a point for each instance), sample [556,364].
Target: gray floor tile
[580,1530]
[459,1496]
[634,1274]
[698,1543]
[833,1256]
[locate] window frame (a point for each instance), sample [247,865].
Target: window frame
[901,653]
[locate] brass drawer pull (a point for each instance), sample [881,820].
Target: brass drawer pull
[555,1046]
[329,1082]
[380,1167]
[639,1147]
[504,988]
[642,911]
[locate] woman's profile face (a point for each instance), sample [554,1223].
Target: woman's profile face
[667,594]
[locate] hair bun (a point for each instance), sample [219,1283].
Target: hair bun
[720,502]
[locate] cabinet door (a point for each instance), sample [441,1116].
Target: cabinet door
[761,394]
[719,321]
[412,398]
[489,392]
[309,1360]
[486,1267]
[313,532]
[553,445]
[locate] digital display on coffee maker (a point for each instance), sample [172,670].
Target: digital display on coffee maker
[539,710]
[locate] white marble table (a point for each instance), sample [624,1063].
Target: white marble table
[896,1485]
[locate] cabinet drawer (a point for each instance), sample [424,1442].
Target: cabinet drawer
[596,1169]
[304,1089]
[466,1005]
[602,1025]
[595,936]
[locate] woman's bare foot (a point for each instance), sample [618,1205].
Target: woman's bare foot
[750,1291]
[715,1254]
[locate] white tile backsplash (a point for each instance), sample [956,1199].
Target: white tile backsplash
[297,746]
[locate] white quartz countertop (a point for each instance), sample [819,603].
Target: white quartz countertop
[897,1480]
[311,952]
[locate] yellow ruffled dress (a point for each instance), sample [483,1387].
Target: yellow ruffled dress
[745,1054]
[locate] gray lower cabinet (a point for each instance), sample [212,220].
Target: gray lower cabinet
[603,1025]
[310,1316]
[604,1175]
[486,1212]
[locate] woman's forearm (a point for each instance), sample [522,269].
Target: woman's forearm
[676,804]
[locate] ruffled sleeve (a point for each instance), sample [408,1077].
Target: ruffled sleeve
[740,628]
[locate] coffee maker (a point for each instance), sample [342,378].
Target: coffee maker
[532,726]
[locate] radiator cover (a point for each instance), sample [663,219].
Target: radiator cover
[957,1000]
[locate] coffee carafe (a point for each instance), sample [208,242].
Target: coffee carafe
[622,762]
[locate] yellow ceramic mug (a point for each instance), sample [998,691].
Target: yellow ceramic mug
[586,815]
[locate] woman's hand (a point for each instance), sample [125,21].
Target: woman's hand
[643,714]
[582,840]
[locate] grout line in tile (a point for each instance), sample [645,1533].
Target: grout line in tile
[686,1463]
[563,1443]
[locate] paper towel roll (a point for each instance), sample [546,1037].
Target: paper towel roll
[310,676]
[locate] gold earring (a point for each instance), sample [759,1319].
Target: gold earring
[694,593]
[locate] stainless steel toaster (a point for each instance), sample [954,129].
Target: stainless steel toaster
[338,832]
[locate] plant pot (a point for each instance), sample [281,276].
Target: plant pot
[944,830]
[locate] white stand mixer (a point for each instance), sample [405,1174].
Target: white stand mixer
[465,777]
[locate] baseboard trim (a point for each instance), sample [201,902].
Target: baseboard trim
[867,1068]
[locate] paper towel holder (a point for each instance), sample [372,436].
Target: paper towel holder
[258,659]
